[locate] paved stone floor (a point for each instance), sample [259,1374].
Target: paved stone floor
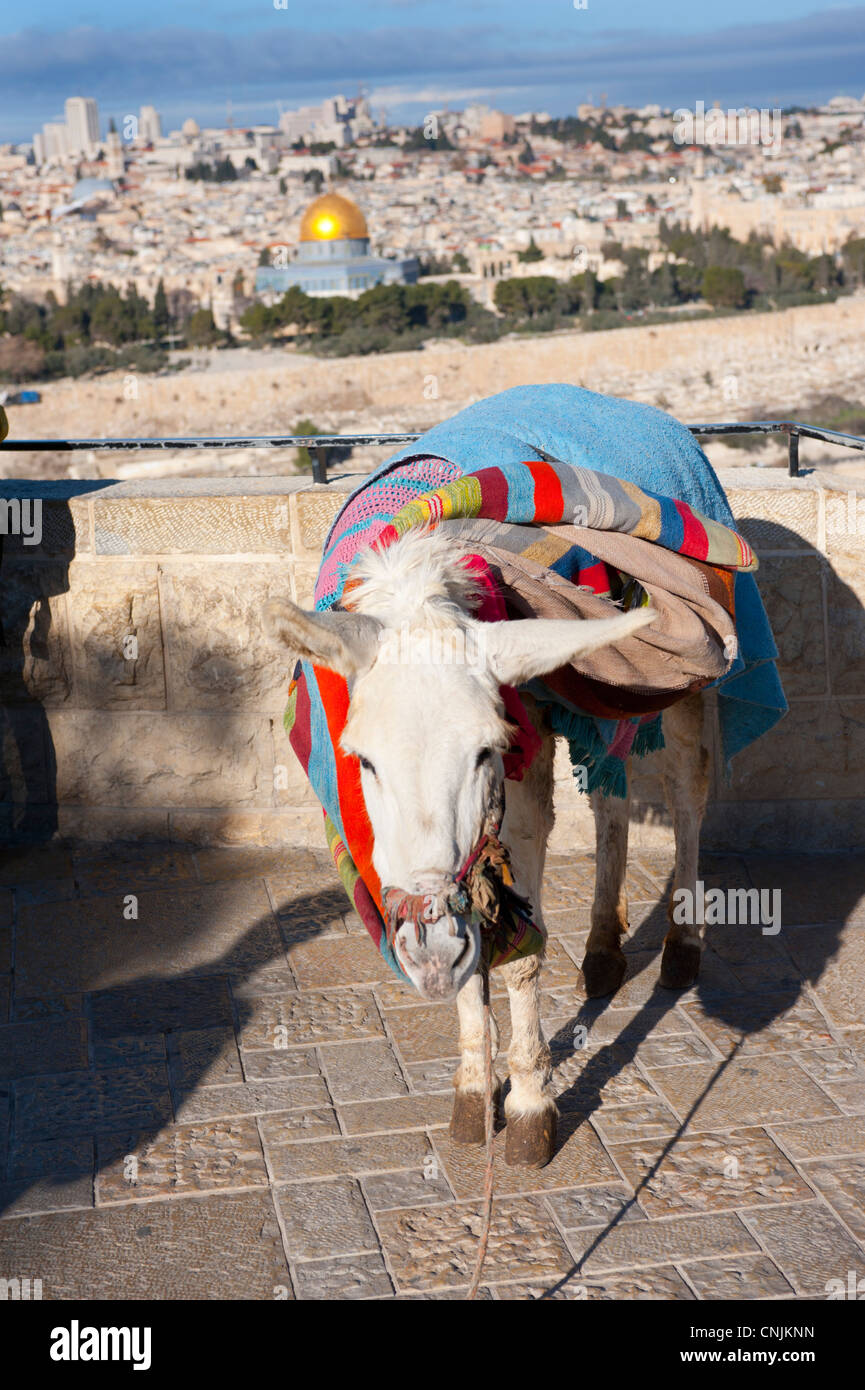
[211,1087]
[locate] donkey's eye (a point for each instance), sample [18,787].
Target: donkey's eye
[366,764]
[483,757]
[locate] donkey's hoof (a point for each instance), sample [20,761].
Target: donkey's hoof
[468,1119]
[603,972]
[530,1140]
[680,965]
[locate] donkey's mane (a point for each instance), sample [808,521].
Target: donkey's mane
[420,578]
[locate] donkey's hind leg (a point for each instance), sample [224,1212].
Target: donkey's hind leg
[684,768]
[604,962]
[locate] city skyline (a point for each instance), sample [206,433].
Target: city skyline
[258,58]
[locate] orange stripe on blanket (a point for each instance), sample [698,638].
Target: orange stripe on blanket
[355,821]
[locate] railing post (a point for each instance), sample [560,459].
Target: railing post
[319,464]
[793,454]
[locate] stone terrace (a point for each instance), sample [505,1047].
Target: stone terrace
[228,1095]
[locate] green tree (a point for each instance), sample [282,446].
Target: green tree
[724,287]
[264,256]
[303,457]
[531,253]
[161,316]
[201,331]
[460,263]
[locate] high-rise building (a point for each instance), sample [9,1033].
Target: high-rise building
[149,125]
[82,124]
[55,136]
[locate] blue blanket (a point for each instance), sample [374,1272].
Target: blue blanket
[637,444]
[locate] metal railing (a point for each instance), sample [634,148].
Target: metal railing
[320,445]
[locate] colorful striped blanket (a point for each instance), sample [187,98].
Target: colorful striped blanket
[547,501]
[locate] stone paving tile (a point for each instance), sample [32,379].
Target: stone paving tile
[34,1049]
[709,1172]
[49,1157]
[49,1006]
[5,910]
[5,942]
[413,1188]
[203,1057]
[746,1091]
[831,895]
[738,1277]
[405,1112]
[645,1121]
[676,1050]
[322,1219]
[216,865]
[457,1295]
[589,1078]
[50,890]
[45,1194]
[842,1183]
[130,868]
[832,1138]
[279,1064]
[129,1052]
[352,1277]
[653,1283]
[836,966]
[362,1071]
[430,1077]
[435,1246]
[830,1065]
[592,1206]
[225,1246]
[252,1098]
[808,1244]
[340,960]
[380,1153]
[162,1007]
[294,1019]
[761,1024]
[660,1242]
[34,864]
[289,1126]
[580,1159]
[5,998]
[178,1161]
[207,929]
[95,1102]
[849,1096]
[428,1031]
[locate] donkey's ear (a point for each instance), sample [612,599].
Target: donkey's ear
[344,642]
[529,647]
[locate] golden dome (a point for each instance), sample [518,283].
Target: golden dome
[331,218]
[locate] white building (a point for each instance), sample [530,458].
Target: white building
[149,125]
[82,125]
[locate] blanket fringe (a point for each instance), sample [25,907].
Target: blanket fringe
[598,770]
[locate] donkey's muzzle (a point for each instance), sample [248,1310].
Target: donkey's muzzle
[441,957]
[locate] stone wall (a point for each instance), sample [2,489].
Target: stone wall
[179,734]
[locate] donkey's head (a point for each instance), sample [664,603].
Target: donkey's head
[426,721]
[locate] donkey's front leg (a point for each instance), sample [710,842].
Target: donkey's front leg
[604,962]
[468,1120]
[530,1111]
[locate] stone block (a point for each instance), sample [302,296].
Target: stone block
[116,636]
[218,653]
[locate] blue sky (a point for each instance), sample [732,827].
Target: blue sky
[188,57]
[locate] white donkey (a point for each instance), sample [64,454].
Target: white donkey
[429,734]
